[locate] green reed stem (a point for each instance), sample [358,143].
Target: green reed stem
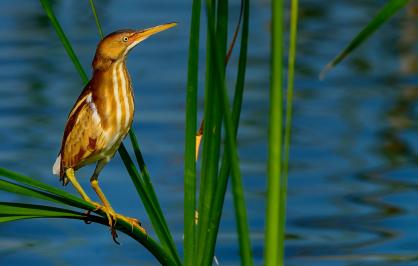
[273,242]
[158,219]
[390,8]
[230,148]
[190,141]
[96,18]
[288,126]
[212,129]
[61,35]
[211,148]
[220,191]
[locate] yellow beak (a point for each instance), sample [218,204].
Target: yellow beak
[141,35]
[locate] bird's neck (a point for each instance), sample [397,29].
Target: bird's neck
[106,67]
[114,75]
[119,75]
[103,63]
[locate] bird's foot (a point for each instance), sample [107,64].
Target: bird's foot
[113,217]
[132,221]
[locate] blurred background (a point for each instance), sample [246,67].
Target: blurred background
[353,190]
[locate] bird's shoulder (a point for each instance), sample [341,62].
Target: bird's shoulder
[83,134]
[83,115]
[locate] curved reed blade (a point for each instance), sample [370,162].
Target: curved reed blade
[388,10]
[146,188]
[35,193]
[31,183]
[96,18]
[15,209]
[64,40]
[162,232]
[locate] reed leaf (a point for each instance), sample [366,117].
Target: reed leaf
[64,40]
[190,141]
[31,192]
[96,18]
[273,241]
[213,124]
[220,192]
[159,252]
[388,10]
[288,124]
[211,147]
[165,236]
[230,148]
[146,179]
[12,218]
[162,231]
[16,209]
[36,187]
[32,188]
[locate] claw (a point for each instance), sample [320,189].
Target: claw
[114,235]
[112,220]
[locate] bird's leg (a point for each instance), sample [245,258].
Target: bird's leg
[107,208]
[70,175]
[112,216]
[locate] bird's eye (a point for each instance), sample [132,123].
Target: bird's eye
[125,39]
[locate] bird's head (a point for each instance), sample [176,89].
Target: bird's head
[117,45]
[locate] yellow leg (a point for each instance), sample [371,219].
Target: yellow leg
[70,175]
[99,192]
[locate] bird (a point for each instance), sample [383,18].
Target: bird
[101,117]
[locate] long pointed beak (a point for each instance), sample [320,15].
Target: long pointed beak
[143,34]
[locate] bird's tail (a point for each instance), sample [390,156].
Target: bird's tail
[57,170]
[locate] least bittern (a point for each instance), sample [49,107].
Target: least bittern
[101,116]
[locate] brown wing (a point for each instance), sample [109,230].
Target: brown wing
[83,136]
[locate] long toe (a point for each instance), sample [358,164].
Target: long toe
[133,222]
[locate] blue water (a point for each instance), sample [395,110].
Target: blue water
[353,190]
